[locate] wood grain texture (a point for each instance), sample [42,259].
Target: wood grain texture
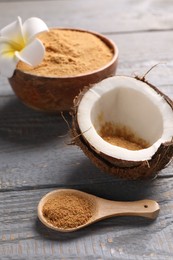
[104,16]
[35,157]
[124,237]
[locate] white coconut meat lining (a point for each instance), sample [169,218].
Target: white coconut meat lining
[130,102]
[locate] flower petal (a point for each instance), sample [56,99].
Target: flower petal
[32,54]
[8,64]
[13,32]
[32,27]
[8,46]
[5,46]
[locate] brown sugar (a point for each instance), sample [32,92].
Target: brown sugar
[68,210]
[70,53]
[122,136]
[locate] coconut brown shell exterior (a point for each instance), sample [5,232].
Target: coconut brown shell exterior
[55,94]
[129,170]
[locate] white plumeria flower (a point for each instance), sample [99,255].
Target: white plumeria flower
[18,42]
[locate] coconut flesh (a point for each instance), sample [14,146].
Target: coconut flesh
[127,125]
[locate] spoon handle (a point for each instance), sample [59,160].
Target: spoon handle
[144,208]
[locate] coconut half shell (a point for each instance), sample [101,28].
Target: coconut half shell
[126,169]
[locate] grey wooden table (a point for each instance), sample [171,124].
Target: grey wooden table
[35,157]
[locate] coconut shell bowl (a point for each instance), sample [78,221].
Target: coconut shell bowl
[53,94]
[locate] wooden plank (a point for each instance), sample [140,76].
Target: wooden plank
[103,15]
[34,151]
[122,237]
[139,52]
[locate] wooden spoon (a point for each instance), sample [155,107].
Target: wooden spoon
[102,208]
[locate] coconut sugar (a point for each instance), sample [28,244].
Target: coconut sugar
[70,53]
[122,136]
[68,210]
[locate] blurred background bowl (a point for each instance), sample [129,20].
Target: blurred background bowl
[55,93]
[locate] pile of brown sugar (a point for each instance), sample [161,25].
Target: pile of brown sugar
[68,210]
[122,136]
[70,53]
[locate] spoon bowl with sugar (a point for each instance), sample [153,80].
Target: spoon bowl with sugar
[68,210]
